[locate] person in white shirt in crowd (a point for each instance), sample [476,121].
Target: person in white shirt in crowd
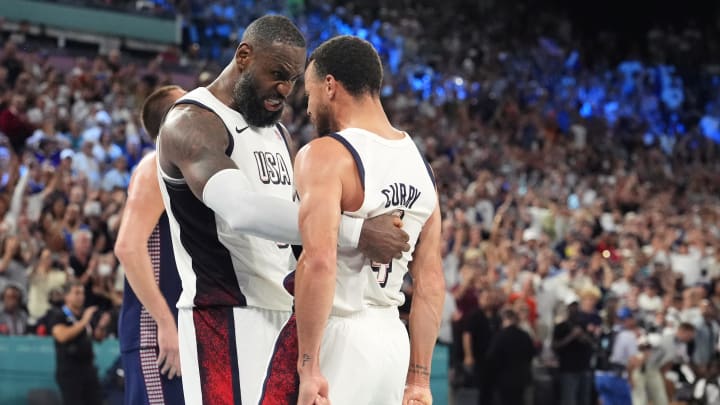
[621,287]
[86,166]
[650,301]
[658,354]
[690,311]
[105,151]
[118,176]
[686,263]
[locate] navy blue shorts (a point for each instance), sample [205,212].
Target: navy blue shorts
[144,385]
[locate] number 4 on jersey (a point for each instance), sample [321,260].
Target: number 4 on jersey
[383,270]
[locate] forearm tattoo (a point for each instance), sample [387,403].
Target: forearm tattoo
[419,370]
[306,358]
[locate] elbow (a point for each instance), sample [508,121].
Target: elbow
[60,337]
[320,264]
[125,250]
[238,223]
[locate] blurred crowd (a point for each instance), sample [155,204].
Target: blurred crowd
[69,140]
[579,187]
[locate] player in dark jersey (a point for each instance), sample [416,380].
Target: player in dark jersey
[149,348]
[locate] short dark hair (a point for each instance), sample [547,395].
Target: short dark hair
[352,61]
[273,29]
[510,316]
[68,286]
[12,286]
[154,108]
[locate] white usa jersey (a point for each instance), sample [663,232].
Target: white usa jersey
[217,266]
[395,176]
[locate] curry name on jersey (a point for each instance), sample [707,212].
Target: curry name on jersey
[396,178]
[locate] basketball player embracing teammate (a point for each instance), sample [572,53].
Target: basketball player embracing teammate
[226,179]
[346,340]
[227,183]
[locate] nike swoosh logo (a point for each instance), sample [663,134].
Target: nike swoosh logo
[239,131]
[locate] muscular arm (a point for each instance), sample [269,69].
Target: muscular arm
[319,184]
[193,142]
[428,295]
[142,212]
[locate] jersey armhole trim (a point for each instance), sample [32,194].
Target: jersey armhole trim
[428,167]
[285,135]
[354,153]
[231,141]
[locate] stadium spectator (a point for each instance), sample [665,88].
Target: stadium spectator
[14,123]
[509,360]
[479,329]
[73,332]
[13,318]
[659,354]
[45,276]
[574,344]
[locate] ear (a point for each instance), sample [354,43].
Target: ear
[243,55]
[330,85]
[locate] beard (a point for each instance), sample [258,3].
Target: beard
[324,121]
[247,101]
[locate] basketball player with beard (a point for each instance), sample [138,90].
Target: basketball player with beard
[225,173]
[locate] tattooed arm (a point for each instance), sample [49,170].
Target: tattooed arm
[320,184]
[425,312]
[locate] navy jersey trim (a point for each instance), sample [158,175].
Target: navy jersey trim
[297,251]
[285,135]
[355,154]
[231,140]
[216,284]
[234,358]
[427,166]
[169,283]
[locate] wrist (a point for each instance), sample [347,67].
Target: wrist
[166,321]
[418,375]
[308,365]
[308,369]
[417,383]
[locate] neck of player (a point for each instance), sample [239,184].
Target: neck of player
[366,113]
[222,87]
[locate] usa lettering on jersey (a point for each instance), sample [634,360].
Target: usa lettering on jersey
[401,195]
[272,168]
